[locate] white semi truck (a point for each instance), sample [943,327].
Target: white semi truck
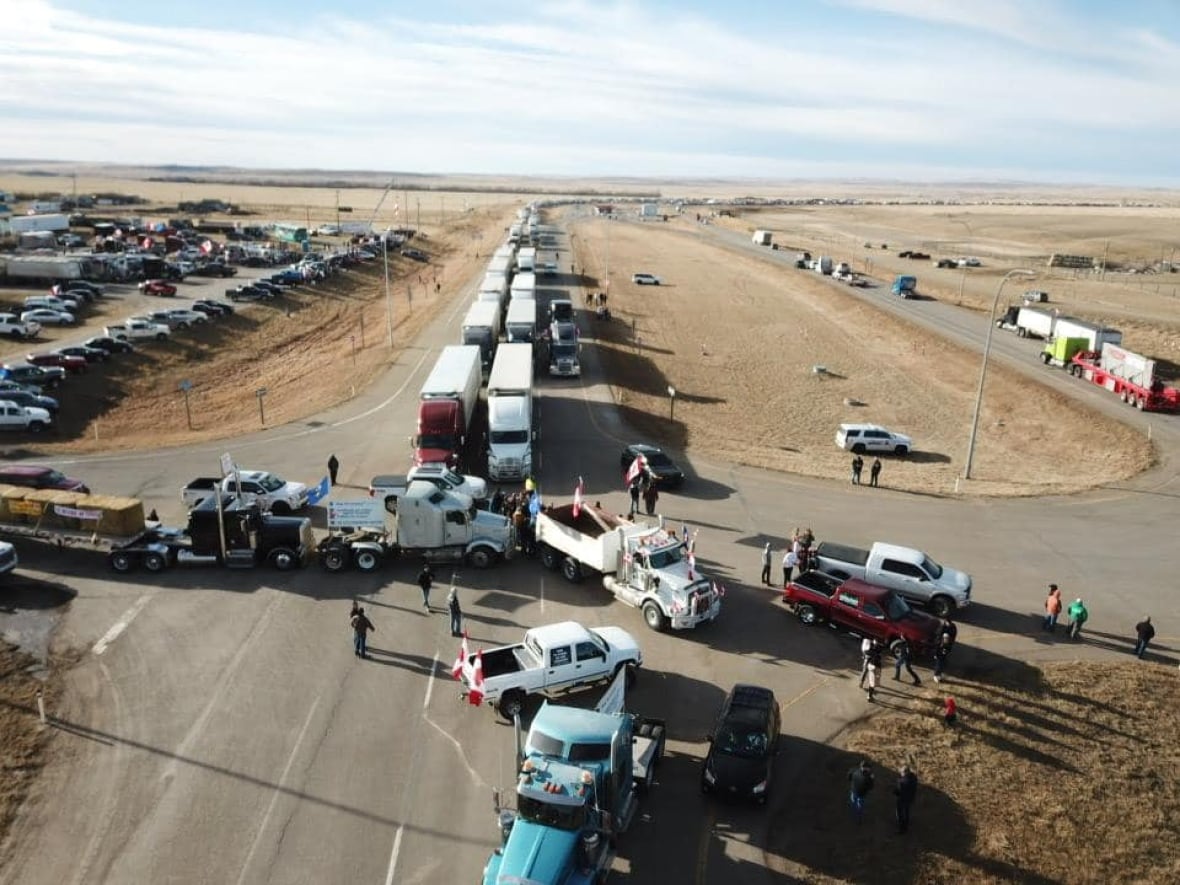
[642,565]
[521,325]
[510,413]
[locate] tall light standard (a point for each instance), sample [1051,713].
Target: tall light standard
[987,347]
[388,296]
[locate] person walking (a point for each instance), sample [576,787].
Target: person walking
[361,626]
[905,657]
[456,611]
[790,560]
[766,564]
[947,634]
[634,490]
[1144,633]
[333,468]
[425,581]
[860,783]
[497,505]
[905,791]
[1052,609]
[866,646]
[874,670]
[651,495]
[858,464]
[874,472]
[1077,617]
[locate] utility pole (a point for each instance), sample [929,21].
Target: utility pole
[337,210]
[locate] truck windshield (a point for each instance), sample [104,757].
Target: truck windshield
[506,437]
[932,568]
[271,483]
[565,350]
[549,814]
[434,441]
[666,557]
[897,608]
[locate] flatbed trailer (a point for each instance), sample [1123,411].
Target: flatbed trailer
[1151,397]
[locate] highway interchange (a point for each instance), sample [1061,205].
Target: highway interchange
[219,729]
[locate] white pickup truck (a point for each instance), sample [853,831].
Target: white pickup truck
[552,659]
[138,329]
[910,572]
[388,486]
[268,489]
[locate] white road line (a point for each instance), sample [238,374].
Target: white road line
[277,791]
[120,625]
[475,778]
[430,682]
[397,847]
[542,593]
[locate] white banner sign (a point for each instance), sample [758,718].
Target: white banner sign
[612,702]
[366,512]
[75,513]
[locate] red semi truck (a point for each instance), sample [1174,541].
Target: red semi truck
[447,405]
[1128,375]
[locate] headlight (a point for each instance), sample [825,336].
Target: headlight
[709,778]
[759,788]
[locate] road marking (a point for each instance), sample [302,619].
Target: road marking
[542,584]
[806,692]
[703,847]
[120,625]
[278,791]
[430,682]
[475,778]
[397,847]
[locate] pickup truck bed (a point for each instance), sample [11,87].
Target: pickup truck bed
[499,661]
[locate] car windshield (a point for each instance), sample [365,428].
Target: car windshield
[742,739]
[657,459]
[271,483]
[505,437]
[550,814]
[897,608]
[932,568]
[452,478]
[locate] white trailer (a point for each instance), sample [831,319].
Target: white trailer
[642,565]
[455,376]
[1095,335]
[1126,364]
[521,324]
[762,237]
[510,413]
[23,224]
[481,327]
[1028,322]
[503,265]
[31,269]
[524,285]
[526,260]
[494,282]
[823,265]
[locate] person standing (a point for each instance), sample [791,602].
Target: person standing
[866,647]
[1077,617]
[333,468]
[905,791]
[790,560]
[766,564]
[634,490]
[874,669]
[1052,609]
[905,657]
[1144,633]
[874,472]
[947,634]
[498,501]
[651,495]
[456,611]
[361,626]
[860,782]
[425,581]
[858,464]
[950,711]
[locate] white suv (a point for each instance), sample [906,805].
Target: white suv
[645,279]
[12,326]
[861,438]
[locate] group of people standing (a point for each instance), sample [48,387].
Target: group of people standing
[858,465]
[797,556]
[362,626]
[861,782]
[643,486]
[1078,614]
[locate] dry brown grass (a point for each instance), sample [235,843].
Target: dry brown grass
[22,738]
[1065,774]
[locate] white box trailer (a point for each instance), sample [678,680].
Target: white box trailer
[762,237]
[510,413]
[456,375]
[502,264]
[1125,364]
[33,269]
[526,260]
[524,285]
[1034,323]
[1095,335]
[481,327]
[23,224]
[521,323]
[495,282]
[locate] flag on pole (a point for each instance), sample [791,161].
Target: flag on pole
[457,667]
[475,693]
[637,467]
[718,589]
[579,490]
[320,491]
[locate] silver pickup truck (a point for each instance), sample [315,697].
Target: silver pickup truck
[910,572]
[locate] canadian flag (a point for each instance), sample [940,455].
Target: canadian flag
[637,467]
[718,589]
[475,693]
[207,246]
[579,490]
[457,667]
[146,243]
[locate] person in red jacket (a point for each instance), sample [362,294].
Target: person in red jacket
[1052,609]
[950,711]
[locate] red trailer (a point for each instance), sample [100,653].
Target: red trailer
[1128,375]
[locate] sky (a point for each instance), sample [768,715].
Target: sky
[1043,91]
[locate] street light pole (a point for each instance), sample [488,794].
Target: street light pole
[987,346]
[388,296]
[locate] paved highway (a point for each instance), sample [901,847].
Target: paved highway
[218,728]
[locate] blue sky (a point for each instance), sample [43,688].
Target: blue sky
[925,90]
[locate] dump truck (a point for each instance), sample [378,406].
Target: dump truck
[642,565]
[580,778]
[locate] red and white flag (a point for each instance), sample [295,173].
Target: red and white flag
[579,490]
[457,667]
[207,246]
[147,243]
[718,589]
[475,693]
[692,564]
[637,467]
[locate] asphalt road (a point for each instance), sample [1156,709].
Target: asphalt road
[219,729]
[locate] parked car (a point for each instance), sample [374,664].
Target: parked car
[185,317]
[216,269]
[63,303]
[26,374]
[157,287]
[211,308]
[862,438]
[14,417]
[109,344]
[90,354]
[742,745]
[271,288]
[247,293]
[645,279]
[24,397]
[73,364]
[416,254]
[35,476]
[13,326]
[46,317]
[663,468]
[94,289]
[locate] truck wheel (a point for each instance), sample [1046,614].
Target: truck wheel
[942,606]
[653,617]
[901,450]
[858,448]
[510,704]
[280,508]
[1140,403]
[154,562]
[808,615]
[481,557]
[895,647]
[121,562]
[1045,358]
[161,337]
[1022,332]
[550,558]
[334,558]
[283,559]
[36,426]
[571,570]
[367,560]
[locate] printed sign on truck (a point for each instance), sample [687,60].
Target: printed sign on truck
[361,513]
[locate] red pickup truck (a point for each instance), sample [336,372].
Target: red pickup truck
[861,608]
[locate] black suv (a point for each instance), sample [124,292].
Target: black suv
[742,747]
